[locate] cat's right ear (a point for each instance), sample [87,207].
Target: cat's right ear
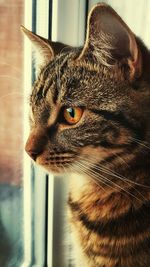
[109,40]
[47,49]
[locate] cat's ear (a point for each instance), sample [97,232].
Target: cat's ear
[46,48]
[109,39]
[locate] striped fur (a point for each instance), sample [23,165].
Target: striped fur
[106,154]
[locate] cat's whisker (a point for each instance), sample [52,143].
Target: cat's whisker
[99,166]
[113,173]
[140,142]
[121,159]
[104,180]
[69,168]
[94,178]
[65,171]
[78,167]
[96,174]
[138,197]
[100,175]
[122,178]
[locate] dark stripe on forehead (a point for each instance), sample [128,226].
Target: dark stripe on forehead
[121,119]
[52,74]
[131,223]
[62,64]
[43,83]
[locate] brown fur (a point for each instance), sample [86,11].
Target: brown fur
[107,152]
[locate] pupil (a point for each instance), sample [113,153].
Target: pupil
[71,112]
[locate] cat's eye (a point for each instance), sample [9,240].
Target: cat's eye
[72,115]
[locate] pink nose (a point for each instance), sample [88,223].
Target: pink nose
[35,144]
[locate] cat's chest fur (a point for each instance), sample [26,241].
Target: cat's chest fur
[103,231]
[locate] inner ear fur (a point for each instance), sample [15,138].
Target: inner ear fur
[109,39]
[47,49]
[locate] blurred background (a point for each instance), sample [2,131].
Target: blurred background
[11,131]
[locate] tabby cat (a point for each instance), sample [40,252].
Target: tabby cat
[90,119]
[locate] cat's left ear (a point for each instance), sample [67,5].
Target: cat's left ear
[46,48]
[109,39]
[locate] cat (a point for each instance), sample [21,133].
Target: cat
[90,110]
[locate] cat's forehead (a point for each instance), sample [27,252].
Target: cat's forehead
[67,82]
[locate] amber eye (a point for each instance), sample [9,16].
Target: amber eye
[73,115]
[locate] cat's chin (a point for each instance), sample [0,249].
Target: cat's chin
[53,169]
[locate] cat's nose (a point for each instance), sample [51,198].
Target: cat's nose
[33,153]
[35,144]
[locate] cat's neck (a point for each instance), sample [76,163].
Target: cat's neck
[111,199]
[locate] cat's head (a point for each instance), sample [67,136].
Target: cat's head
[89,104]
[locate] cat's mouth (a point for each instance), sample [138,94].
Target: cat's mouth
[57,163]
